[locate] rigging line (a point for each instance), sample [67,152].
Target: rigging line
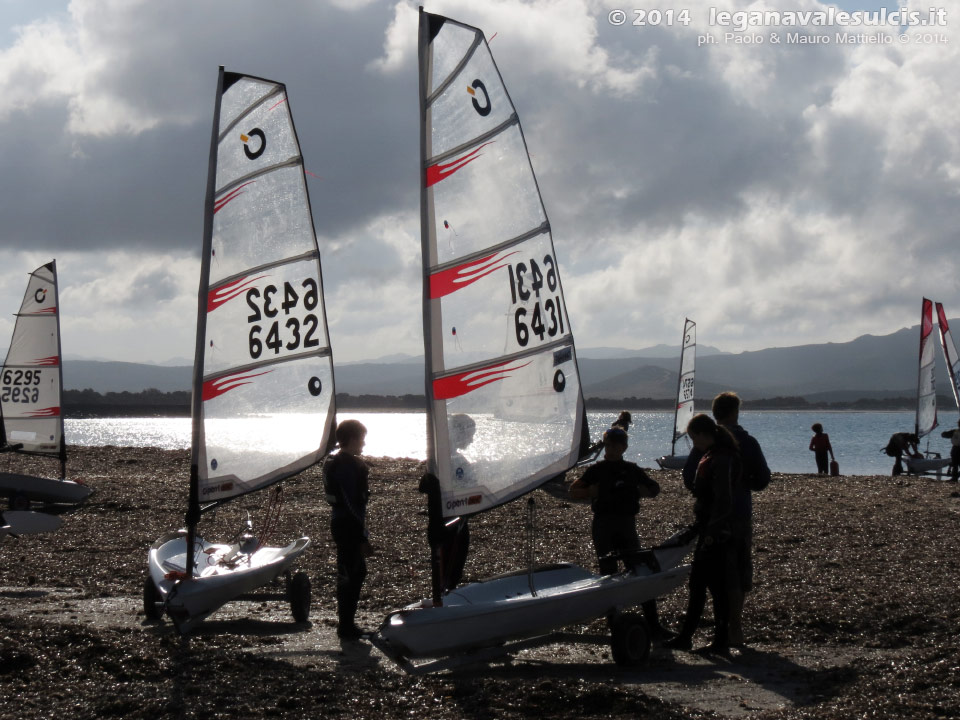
[544,227]
[309,255]
[456,71]
[276,90]
[291,162]
[509,122]
[567,340]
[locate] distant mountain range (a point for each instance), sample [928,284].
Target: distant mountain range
[873,367]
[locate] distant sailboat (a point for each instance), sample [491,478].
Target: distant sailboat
[684,410]
[926,418]
[31,387]
[522,399]
[263,395]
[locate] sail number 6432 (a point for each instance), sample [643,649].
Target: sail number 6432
[290,334]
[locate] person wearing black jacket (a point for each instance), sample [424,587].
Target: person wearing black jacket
[614,487]
[345,479]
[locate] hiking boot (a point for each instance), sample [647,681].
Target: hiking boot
[678,643]
[350,632]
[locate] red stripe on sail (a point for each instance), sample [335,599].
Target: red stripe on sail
[455,278]
[438,172]
[218,205]
[49,311]
[942,319]
[226,293]
[51,361]
[457,385]
[926,317]
[221,385]
[45,412]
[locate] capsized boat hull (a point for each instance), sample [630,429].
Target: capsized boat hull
[41,489]
[26,522]
[503,608]
[672,462]
[216,578]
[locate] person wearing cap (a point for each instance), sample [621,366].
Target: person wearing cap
[614,487]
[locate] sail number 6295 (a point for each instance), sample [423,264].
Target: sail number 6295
[293,333]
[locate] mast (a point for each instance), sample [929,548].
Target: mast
[196,400]
[62,456]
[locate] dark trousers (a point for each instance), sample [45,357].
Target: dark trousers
[955,462]
[823,464]
[898,463]
[449,545]
[711,570]
[351,570]
[613,533]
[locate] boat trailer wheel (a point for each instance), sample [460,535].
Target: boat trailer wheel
[298,593]
[629,640]
[152,600]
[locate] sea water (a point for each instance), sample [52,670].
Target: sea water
[857,437]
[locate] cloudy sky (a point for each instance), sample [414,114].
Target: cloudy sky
[778,194]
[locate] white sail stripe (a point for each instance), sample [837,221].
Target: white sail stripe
[479,140]
[321,353]
[544,227]
[290,162]
[309,255]
[277,90]
[478,37]
[566,339]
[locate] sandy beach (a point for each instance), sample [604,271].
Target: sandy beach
[854,613]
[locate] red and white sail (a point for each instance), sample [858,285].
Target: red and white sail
[263,395]
[505,409]
[31,380]
[926,385]
[949,352]
[688,358]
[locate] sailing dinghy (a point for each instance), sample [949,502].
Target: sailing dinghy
[684,410]
[263,395]
[926,420]
[31,386]
[497,336]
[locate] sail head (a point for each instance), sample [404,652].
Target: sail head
[263,380]
[505,406]
[30,382]
[950,354]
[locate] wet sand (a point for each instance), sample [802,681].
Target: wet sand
[854,613]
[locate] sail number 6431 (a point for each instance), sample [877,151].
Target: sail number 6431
[293,333]
[527,279]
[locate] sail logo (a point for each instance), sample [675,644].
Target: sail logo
[438,172]
[482,110]
[464,502]
[255,133]
[463,383]
[455,278]
[40,295]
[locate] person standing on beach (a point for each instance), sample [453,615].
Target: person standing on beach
[954,436]
[755,477]
[820,444]
[345,481]
[715,559]
[614,487]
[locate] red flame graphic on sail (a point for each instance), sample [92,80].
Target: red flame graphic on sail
[48,311]
[226,293]
[218,205]
[438,172]
[452,279]
[942,319]
[45,412]
[51,361]
[457,385]
[219,386]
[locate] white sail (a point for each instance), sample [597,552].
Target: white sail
[949,352]
[505,409]
[688,358]
[926,388]
[31,380]
[263,395]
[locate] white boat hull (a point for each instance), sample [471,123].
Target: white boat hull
[216,578]
[41,489]
[502,608]
[926,466]
[672,462]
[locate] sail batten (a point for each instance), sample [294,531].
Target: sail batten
[505,409]
[263,373]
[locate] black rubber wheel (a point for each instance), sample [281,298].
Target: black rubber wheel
[298,593]
[152,600]
[19,501]
[630,640]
